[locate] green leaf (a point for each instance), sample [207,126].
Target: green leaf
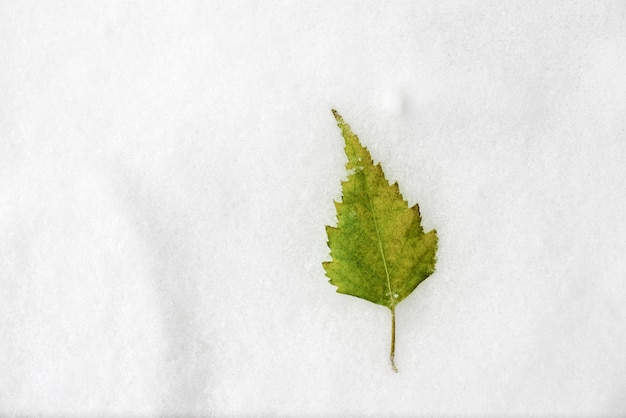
[379,250]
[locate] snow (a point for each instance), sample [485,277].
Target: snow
[167,170]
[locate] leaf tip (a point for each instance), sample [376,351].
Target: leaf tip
[340,122]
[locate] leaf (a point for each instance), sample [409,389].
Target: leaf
[379,250]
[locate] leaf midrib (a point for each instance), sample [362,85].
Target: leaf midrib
[380,245]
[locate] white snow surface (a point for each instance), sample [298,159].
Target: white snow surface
[167,170]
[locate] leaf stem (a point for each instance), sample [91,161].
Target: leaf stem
[392,354]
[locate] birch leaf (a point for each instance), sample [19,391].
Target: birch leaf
[379,250]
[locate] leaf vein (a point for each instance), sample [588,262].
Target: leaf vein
[380,246]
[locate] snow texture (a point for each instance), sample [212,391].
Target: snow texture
[167,170]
